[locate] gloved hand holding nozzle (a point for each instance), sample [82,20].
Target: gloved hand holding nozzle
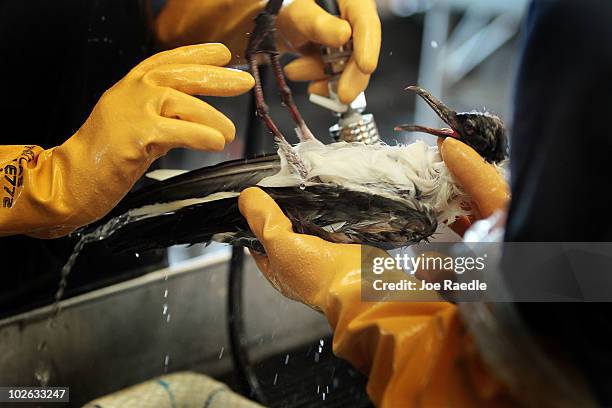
[303,27]
[358,20]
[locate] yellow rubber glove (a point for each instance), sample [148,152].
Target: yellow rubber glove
[184,22]
[49,193]
[301,23]
[489,191]
[415,353]
[480,179]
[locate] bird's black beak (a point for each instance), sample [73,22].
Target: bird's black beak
[448,115]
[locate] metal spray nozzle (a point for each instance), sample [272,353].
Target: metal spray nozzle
[353,125]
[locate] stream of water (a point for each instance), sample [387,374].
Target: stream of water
[99,234]
[42,372]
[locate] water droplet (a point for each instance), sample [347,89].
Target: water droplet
[168,318]
[302,186]
[323,396]
[137,255]
[287,359]
[316,357]
[390,53]
[318,389]
[434,44]
[43,374]
[166,293]
[275,378]
[321,342]
[165,310]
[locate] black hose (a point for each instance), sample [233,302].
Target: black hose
[244,370]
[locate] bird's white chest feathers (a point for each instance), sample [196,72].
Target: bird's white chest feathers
[416,169]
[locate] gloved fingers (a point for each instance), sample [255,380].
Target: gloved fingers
[274,230]
[480,180]
[178,105]
[319,88]
[173,133]
[308,68]
[304,21]
[299,266]
[201,79]
[262,262]
[352,82]
[264,216]
[365,23]
[215,54]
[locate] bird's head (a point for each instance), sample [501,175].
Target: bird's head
[483,131]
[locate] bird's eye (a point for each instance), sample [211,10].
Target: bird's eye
[469,128]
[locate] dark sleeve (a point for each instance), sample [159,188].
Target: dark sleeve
[561,147]
[561,152]
[58,57]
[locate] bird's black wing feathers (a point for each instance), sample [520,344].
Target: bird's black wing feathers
[329,211]
[235,175]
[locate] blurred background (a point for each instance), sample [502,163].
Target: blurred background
[187,316]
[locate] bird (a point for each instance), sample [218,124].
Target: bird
[378,195]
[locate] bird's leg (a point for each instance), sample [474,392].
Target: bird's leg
[263,41]
[260,102]
[258,44]
[304,132]
[264,113]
